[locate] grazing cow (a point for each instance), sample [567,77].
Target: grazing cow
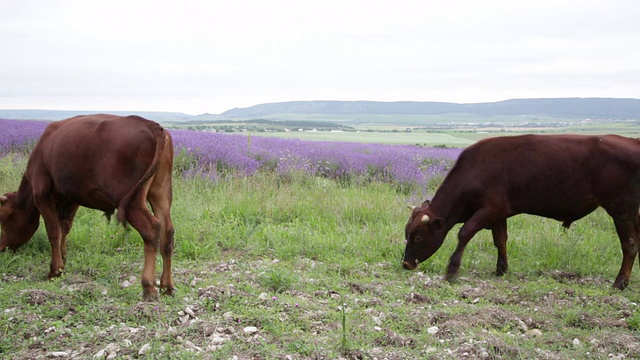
[562,177]
[102,162]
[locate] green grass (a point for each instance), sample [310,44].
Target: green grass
[420,138]
[314,266]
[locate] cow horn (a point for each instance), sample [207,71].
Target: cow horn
[425,219]
[411,207]
[3,198]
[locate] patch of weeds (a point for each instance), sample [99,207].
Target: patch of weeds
[299,347]
[576,319]
[9,262]
[277,280]
[634,322]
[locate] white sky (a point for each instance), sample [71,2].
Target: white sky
[199,56]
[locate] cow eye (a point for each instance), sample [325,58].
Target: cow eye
[418,238]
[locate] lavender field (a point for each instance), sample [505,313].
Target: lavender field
[215,155]
[19,135]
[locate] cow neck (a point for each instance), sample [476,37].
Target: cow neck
[446,205]
[24,196]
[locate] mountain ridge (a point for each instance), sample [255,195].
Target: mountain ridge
[576,107]
[602,108]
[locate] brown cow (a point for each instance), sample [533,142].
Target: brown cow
[563,177]
[102,162]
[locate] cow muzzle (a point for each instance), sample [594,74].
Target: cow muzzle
[410,265]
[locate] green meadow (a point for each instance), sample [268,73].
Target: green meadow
[297,267]
[419,138]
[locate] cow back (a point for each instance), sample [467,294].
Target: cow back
[96,161]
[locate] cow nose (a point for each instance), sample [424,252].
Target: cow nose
[408,265]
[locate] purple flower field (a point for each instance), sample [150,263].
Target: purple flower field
[19,135]
[216,154]
[245,155]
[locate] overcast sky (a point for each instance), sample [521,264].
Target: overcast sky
[198,56]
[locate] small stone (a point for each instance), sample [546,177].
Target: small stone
[534,332]
[216,339]
[433,330]
[144,349]
[523,326]
[58,354]
[228,315]
[250,330]
[189,312]
[125,284]
[193,346]
[576,342]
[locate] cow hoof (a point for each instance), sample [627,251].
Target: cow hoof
[150,295]
[621,284]
[54,274]
[451,278]
[169,291]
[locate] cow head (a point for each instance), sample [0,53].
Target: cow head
[424,234]
[18,224]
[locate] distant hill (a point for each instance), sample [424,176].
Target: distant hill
[579,108]
[561,107]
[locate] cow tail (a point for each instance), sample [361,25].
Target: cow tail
[161,139]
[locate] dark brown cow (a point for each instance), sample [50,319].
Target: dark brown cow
[102,162]
[563,177]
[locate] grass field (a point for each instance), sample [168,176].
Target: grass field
[460,136]
[419,138]
[297,267]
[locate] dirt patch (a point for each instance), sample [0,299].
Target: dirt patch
[416,298]
[393,339]
[40,297]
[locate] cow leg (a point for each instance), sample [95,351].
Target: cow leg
[160,202]
[149,228]
[476,223]
[499,232]
[66,213]
[628,231]
[47,208]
